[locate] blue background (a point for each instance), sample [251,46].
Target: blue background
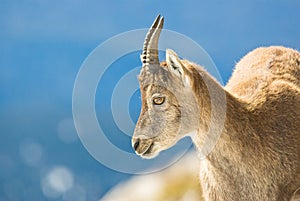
[43,44]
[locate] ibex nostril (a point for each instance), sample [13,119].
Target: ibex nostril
[136,144]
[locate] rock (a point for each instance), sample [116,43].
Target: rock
[177,183]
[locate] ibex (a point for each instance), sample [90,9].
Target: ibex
[257,155]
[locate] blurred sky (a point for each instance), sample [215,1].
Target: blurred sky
[44,43]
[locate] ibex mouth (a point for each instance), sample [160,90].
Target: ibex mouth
[149,150]
[143,147]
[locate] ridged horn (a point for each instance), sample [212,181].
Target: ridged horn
[150,49]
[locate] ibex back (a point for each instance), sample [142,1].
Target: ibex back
[257,156]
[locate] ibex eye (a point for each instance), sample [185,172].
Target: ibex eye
[158,100]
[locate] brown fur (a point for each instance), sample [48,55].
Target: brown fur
[257,156]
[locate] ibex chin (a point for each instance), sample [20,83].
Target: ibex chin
[257,155]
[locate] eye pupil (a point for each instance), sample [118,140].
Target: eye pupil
[158,100]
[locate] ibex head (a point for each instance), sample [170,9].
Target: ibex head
[167,98]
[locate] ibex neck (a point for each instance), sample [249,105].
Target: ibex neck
[221,117]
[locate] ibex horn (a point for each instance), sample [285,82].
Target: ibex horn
[150,49]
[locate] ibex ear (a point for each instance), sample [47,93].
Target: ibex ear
[176,67]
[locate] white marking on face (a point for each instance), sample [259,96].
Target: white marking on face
[187,81]
[143,137]
[156,95]
[148,89]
